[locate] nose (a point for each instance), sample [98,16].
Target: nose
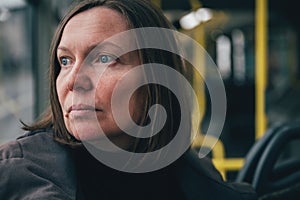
[79,80]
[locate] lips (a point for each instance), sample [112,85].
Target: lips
[82,107]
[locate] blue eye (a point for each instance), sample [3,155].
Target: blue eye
[65,61]
[106,58]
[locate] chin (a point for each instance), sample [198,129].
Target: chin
[86,131]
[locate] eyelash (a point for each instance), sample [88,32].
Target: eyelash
[105,58]
[61,61]
[102,58]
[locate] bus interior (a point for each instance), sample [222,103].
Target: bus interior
[256,47]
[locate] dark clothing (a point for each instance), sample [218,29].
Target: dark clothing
[36,167]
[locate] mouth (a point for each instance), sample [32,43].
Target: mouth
[82,108]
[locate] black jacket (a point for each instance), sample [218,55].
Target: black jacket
[36,167]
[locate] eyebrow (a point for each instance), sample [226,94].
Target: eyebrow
[95,47]
[62,48]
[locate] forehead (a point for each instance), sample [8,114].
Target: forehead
[94,24]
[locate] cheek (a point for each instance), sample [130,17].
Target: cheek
[60,89]
[104,90]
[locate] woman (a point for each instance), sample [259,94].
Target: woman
[60,155]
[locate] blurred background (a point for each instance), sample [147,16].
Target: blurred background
[255,44]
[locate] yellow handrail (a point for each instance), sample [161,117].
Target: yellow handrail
[260,66]
[195,4]
[219,159]
[157,3]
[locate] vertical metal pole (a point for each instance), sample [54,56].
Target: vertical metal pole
[199,59]
[195,4]
[261,43]
[41,36]
[157,3]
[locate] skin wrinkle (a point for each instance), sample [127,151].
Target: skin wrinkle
[78,84]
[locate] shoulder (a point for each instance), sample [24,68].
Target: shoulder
[199,178]
[35,166]
[34,146]
[14,149]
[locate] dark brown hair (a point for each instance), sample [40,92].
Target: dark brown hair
[138,13]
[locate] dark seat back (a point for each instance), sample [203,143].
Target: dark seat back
[262,168]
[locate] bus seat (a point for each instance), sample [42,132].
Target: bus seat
[264,167]
[245,174]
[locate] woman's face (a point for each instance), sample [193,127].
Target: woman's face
[84,88]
